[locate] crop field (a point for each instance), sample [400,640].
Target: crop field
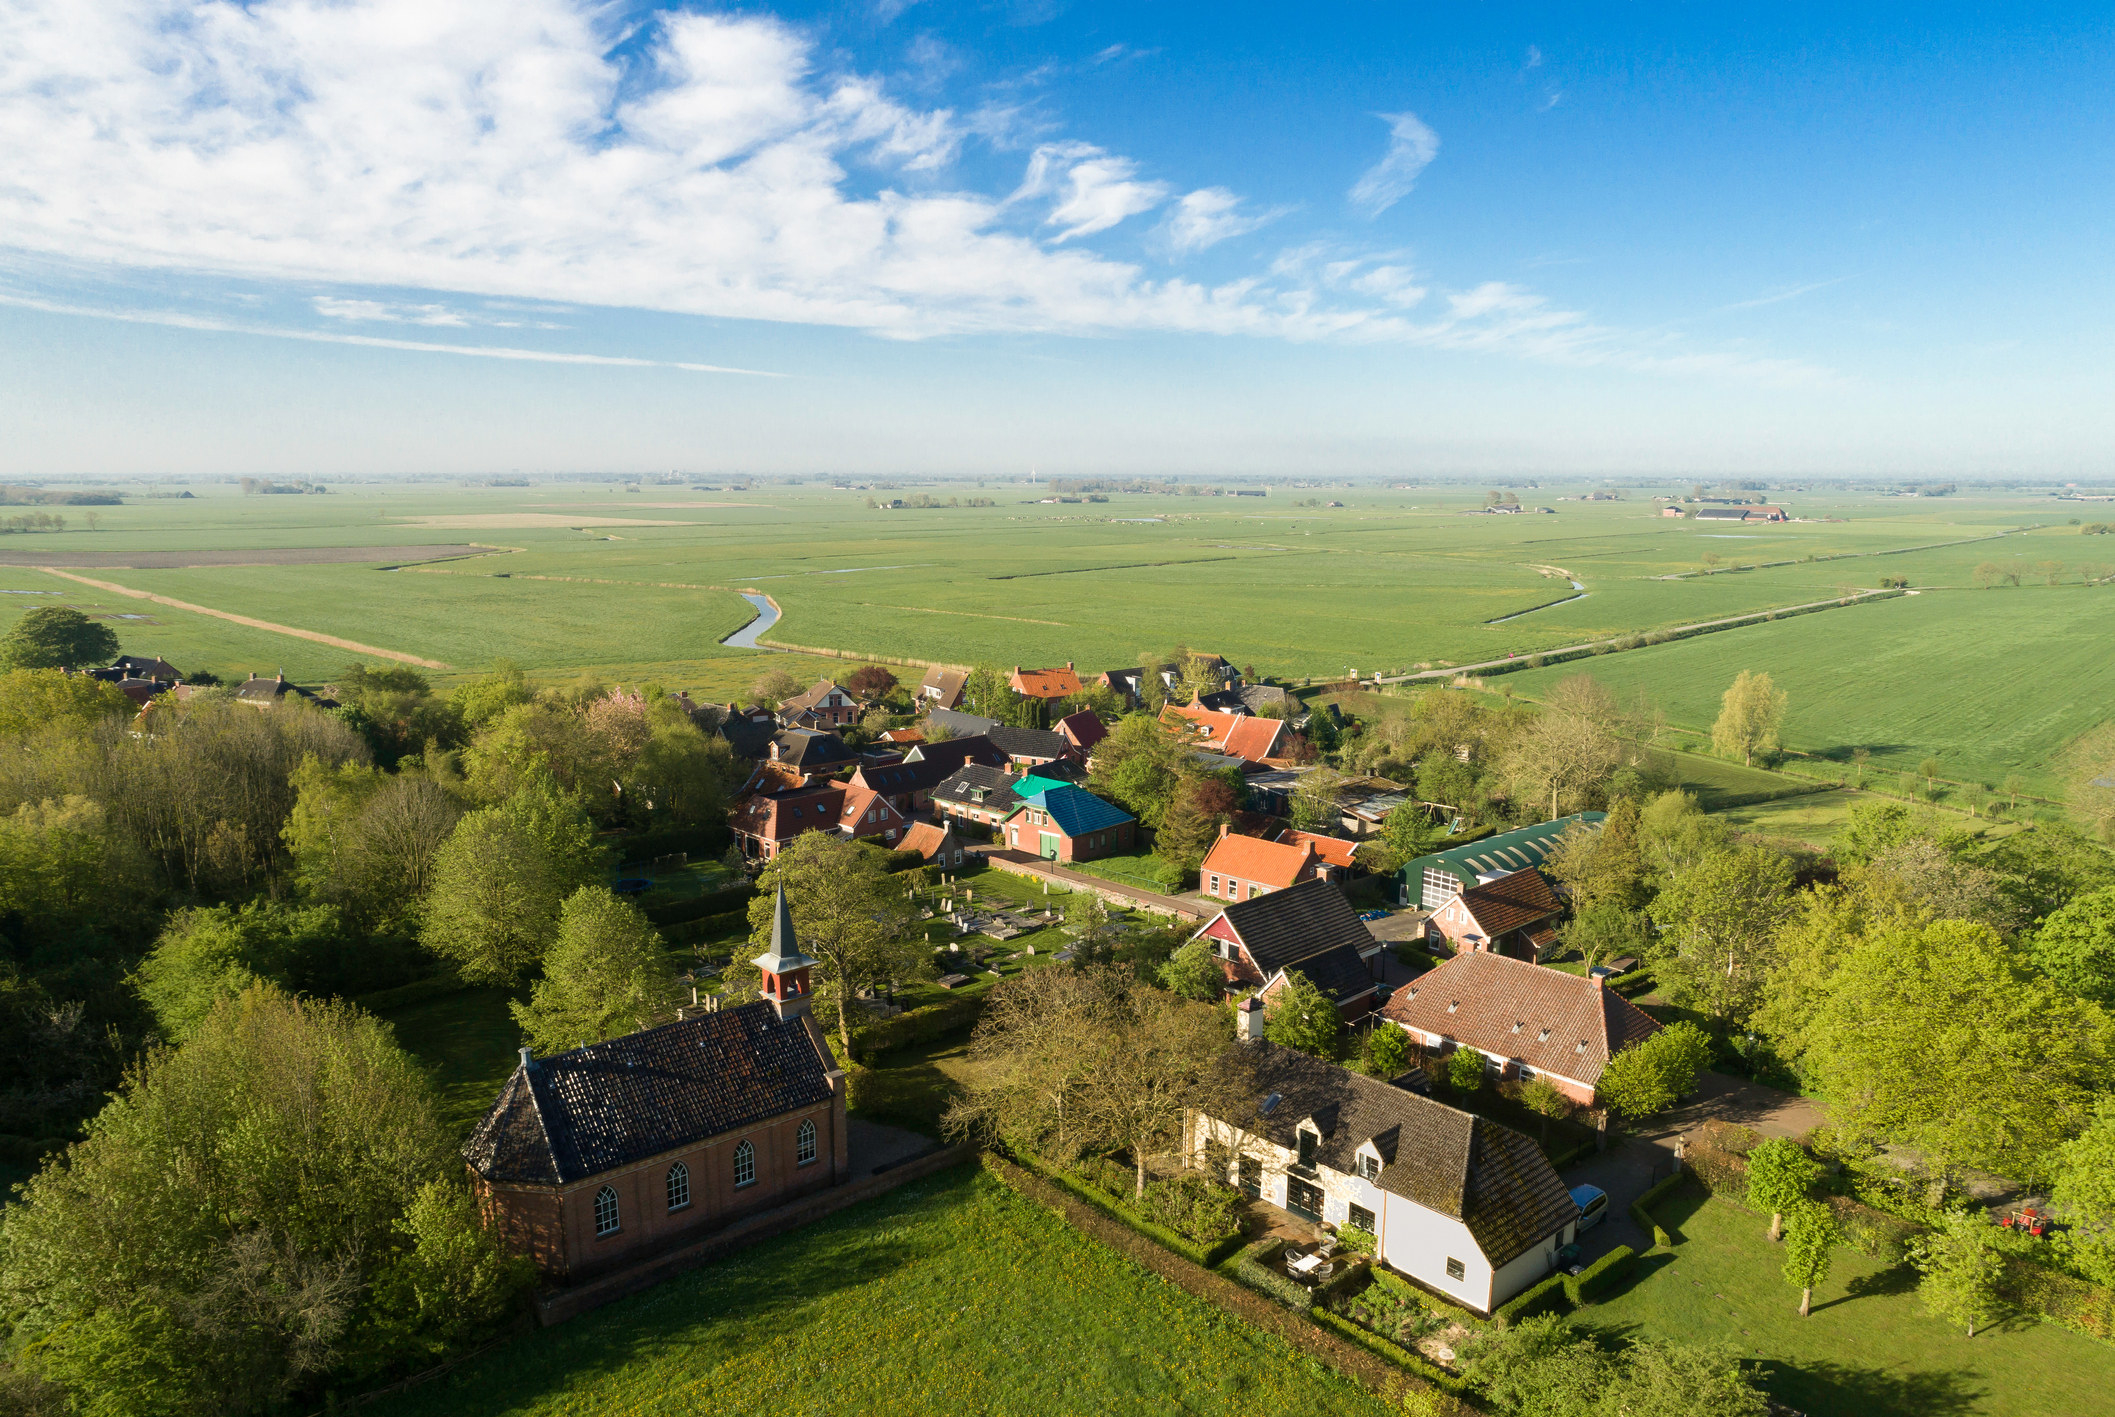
[591,579]
[949,1295]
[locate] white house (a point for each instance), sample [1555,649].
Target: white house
[1466,1207]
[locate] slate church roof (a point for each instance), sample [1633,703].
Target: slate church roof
[577,1114]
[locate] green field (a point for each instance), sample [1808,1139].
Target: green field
[950,1295]
[583,578]
[1868,1351]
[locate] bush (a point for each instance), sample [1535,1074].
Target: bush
[1360,1242]
[1548,1297]
[1194,1206]
[1872,1232]
[1395,1353]
[1465,1070]
[1252,1268]
[1600,1276]
[1641,1210]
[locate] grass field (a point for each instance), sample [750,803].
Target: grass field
[950,1295]
[588,579]
[467,1042]
[1868,1351]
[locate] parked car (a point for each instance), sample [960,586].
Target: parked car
[1593,1206]
[1373,915]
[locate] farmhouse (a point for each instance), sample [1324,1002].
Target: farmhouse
[942,688]
[765,822]
[1433,880]
[1509,914]
[1466,1207]
[267,693]
[1309,928]
[1720,514]
[809,750]
[1028,747]
[1045,683]
[618,1151]
[1243,736]
[824,705]
[1244,867]
[1069,823]
[1527,1020]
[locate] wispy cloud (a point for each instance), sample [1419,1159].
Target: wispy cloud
[1208,216]
[1533,60]
[1777,297]
[1094,190]
[1411,148]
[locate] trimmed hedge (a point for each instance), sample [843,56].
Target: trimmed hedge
[2061,1298]
[712,840]
[1548,1297]
[1206,1255]
[1600,1276]
[1445,1308]
[1394,1352]
[1641,1210]
[922,1025]
[1251,1267]
[686,932]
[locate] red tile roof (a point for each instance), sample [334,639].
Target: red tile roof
[1236,735]
[781,818]
[1046,683]
[1334,850]
[1083,728]
[925,838]
[1515,899]
[1248,858]
[1552,1021]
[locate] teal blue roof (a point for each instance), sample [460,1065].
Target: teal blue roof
[1031,786]
[1074,810]
[1515,850]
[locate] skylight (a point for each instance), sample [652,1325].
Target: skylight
[1270,1103]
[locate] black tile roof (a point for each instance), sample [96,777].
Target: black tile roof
[808,750]
[1490,1177]
[749,740]
[962,725]
[952,753]
[1298,923]
[1027,742]
[577,1114]
[1338,972]
[997,784]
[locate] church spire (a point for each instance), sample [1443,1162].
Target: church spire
[784,967]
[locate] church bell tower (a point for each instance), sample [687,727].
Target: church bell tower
[785,968]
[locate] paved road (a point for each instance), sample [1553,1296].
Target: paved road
[1022,863]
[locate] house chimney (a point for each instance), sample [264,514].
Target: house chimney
[1248,1019]
[1597,982]
[1222,829]
[525,1060]
[1068,664]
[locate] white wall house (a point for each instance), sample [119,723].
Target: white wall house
[1464,1206]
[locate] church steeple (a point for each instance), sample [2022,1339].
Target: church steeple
[785,968]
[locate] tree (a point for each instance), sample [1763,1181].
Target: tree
[1139,766]
[1303,1017]
[1602,864]
[1961,1267]
[1406,834]
[1152,689]
[1317,801]
[1605,930]
[1201,805]
[850,914]
[39,698]
[1750,716]
[208,955]
[1194,972]
[1543,1367]
[606,974]
[1147,1072]
[1940,1038]
[1466,1070]
[1674,833]
[1811,1234]
[2085,1192]
[1652,1075]
[501,878]
[1386,1050]
[1546,1100]
[57,637]
[775,685]
[988,693]
[1876,828]
[216,1242]
[1779,1175]
[492,694]
[871,683]
[2075,947]
[1988,574]
[1568,753]
[1718,921]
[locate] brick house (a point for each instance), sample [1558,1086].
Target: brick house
[1237,735]
[1527,1020]
[977,794]
[1464,1206]
[765,822]
[824,705]
[1510,914]
[1045,683]
[1339,855]
[937,842]
[1082,730]
[942,688]
[616,1152]
[1069,823]
[1244,867]
[1309,928]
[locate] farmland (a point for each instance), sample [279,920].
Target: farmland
[585,579]
[994,1305]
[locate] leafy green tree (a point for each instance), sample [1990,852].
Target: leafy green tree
[1568,753]
[1152,689]
[1387,1050]
[500,879]
[1602,865]
[442,1292]
[1139,766]
[988,693]
[1940,1038]
[1466,1070]
[206,956]
[1406,834]
[1543,1367]
[1750,717]
[366,841]
[490,695]
[1674,833]
[608,973]
[2041,871]
[1811,1236]
[2085,1193]
[2075,947]
[1605,930]
[32,699]
[1547,1101]
[213,1245]
[1876,828]
[851,915]
[1961,1267]
[1653,1074]
[1316,803]
[1194,972]
[775,685]
[1202,804]
[1302,1016]
[1780,1173]
[1718,921]
[57,637]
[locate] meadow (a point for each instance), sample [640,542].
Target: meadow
[591,579]
[993,1304]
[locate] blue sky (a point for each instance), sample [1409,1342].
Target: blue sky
[380,236]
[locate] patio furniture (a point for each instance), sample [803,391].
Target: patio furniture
[1305,1265]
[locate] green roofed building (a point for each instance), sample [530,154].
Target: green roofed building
[1432,880]
[1032,785]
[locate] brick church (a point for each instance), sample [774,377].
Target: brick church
[620,1150]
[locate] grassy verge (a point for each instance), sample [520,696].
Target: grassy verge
[1869,1349]
[467,1040]
[1138,870]
[952,1294]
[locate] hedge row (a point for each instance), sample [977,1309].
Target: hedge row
[1549,1297]
[1394,1352]
[719,902]
[1252,1267]
[1658,637]
[1641,1210]
[1600,1276]
[707,841]
[2059,1297]
[706,927]
[922,1025]
[1206,1255]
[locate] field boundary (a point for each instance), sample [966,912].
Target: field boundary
[315,636]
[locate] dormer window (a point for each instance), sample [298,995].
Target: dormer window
[1369,1167]
[1516,1027]
[1581,1048]
[1309,1143]
[1453,1006]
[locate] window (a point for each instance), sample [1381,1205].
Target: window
[804,1143]
[1456,1269]
[1360,1218]
[1308,1144]
[1370,1168]
[1250,1173]
[678,1186]
[605,1212]
[744,1165]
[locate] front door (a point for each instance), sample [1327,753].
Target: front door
[1050,845]
[1303,1199]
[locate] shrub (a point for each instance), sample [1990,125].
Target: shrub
[1360,1242]
[1641,1210]
[1194,1206]
[1465,1070]
[1600,1276]
[1548,1297]
[1252,1267]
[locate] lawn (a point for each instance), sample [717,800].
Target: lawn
[1868,1351]
[950,1295]
[467,1041]
[1140,870]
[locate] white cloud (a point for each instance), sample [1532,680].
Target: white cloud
[711,164]
[1207,217]
[1411,148]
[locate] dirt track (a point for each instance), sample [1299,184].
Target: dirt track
[322,639]
[294,556]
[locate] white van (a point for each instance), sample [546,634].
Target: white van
[1593,1206]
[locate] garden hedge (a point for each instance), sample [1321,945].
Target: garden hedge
[1548,1297]
[1641,1210]
[1394,1352]
[418,991]
[1600,1276]
[1206,1254]
[719,902]
[921,1025]
[1251,1267]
